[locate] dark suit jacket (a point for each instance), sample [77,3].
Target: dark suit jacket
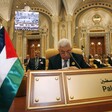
[41,64]
[98,64]
[25,61]
[55,62]
[109,60]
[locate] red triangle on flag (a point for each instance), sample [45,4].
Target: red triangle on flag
[10,51]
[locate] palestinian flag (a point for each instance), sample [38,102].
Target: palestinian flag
[11,71]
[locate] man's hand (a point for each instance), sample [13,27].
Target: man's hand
[73,68]
[69,68]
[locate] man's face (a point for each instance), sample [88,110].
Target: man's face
[37,54]
[65,52]
[27,57]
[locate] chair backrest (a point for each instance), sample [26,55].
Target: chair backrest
[77,50]
[49,53]
[91,63]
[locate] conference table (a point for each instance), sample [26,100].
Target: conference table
[20,103]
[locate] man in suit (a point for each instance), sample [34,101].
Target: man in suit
[98,61]
[37,63]
[65,55]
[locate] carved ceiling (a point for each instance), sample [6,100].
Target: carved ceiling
[53,6]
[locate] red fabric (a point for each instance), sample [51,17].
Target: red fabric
[10,51]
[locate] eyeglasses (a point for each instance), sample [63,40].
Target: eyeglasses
[65,52]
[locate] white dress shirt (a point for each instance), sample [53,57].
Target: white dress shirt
[68,61]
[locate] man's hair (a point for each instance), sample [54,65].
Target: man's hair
[63,42]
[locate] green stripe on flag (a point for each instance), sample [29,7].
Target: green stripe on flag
[10,86]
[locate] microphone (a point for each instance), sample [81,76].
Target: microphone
[74,60]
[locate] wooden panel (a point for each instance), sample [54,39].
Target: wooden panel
[42,86]
[88,87]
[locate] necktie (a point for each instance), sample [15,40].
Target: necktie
[65,63]
[36,63]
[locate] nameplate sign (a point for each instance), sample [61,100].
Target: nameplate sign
[93,86]
[49,89]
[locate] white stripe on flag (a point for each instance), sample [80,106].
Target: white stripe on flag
[5,65]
